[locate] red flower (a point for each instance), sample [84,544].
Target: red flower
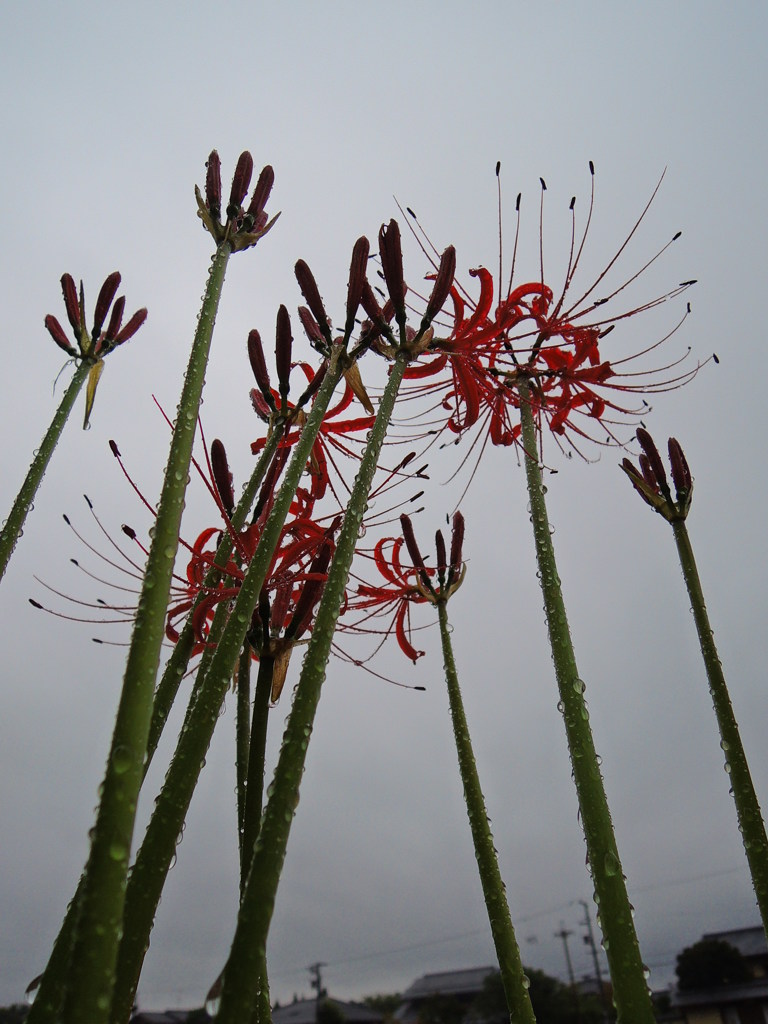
[407,585]
[555,345]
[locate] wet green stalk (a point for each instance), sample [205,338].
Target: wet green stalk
[92,970]
[630,989]
[158,847]
[14,524]
[750,818]
[254,789]
[507,952]
[242,745]
[52,986]
[241,974]
[176,667]
[254,797]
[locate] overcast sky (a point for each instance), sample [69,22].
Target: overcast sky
[109,112]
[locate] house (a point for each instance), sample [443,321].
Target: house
[164,1017]
[463,986]
[744,1002]
[310,1011]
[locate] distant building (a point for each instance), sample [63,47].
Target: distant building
[464,986]
[309,1011]
[164,1017]
[300,1011]
[742,1003]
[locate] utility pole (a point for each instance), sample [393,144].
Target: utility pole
[563,934]
[317,984]
[589,938]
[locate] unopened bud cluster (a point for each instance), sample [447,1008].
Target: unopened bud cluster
[241,226]
[650,480]
[450,571]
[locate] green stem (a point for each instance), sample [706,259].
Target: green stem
[750,818]
[630,989]
[512,973]
[254,789]
[242,745]
[92,970]
[158,847]
[176,667]
[50,995]
[254,798]
[14,524]
[241,974]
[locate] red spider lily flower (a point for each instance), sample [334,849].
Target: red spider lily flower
[405,585]
[292,588]
[93,346]
[243,226]
[650,481]
[555,345]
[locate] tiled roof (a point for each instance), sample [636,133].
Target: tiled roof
[748,941]
[453,983]
[723,995]
[304,1011]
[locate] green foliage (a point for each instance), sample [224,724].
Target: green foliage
[553,1002]
[709,964]
[440,1009]
[329,1012]
[385,1004]
[13,1014]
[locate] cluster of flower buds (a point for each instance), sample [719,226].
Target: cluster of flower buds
[380,334]
[242,226]
[93,346]
[650,481]
[450,571]
[317,324]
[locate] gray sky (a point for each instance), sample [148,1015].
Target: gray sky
[109,113]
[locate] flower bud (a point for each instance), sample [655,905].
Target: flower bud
[357,271]
[70,301]
[222,477]
[115,319]
[648,475]
[441,555]
[681,474]
[654,460]
[104,301]
[311,293]
[457,542]
[370,304]
[442,286]
[261,195]
[131,327]
[213,185]
[56,331]
[311,328]
[240,182]
[283,345]
[259,365]
[314,386]
[413,550]
[391,255]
